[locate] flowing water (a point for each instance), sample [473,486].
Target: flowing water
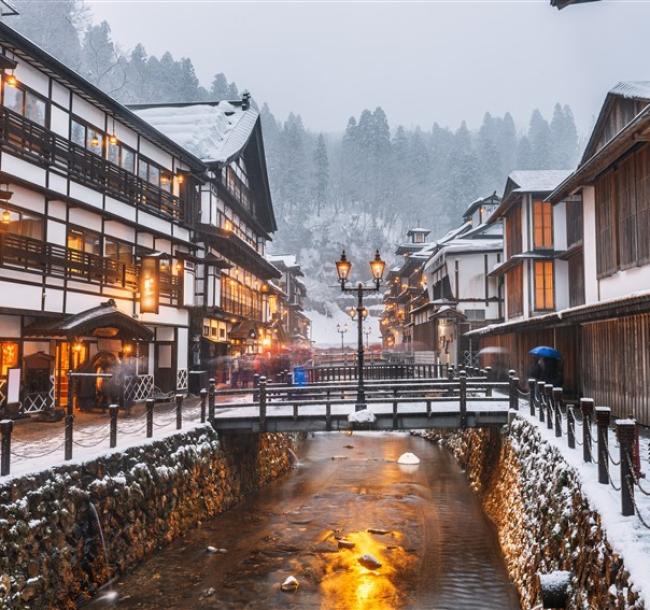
[437,549]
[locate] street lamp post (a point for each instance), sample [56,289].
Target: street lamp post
[343,267]
[342,329]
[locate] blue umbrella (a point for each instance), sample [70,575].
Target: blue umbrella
[544,351]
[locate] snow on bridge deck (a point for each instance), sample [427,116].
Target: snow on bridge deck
[410,416]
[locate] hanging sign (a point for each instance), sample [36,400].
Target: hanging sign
[149,284]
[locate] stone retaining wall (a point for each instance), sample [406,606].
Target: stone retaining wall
[543,519]
[145,497]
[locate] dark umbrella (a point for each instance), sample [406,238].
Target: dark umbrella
[544,351]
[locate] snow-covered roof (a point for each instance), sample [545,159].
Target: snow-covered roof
[215,132]
[288,260]
[538,181]
[637,89]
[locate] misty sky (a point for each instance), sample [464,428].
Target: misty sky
[422,62]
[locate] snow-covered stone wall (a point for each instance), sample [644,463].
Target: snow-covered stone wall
[543,518]
[52,555]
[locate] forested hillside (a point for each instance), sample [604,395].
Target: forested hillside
[359,188]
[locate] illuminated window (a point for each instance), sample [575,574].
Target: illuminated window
[542,224]
[8,357]
[544,297]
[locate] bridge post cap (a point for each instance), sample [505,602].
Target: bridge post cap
[554,588]
[621,423]
[179,396]
[211,380]
[557,390]
[532,381]
[6,423]
[540,384]
[263,378]
[203,391]
[462,373]
[603,409]
[587,401]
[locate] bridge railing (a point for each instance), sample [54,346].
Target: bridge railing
[375,371]
[576,422]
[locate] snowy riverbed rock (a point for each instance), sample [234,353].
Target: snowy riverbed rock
[369,562]
[408,459]
[365,416]
[290,584]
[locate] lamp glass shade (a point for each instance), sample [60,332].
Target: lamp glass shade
[343,267]
[353,312]
[377,266]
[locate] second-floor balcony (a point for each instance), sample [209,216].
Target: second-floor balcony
[28,254]
[28,140]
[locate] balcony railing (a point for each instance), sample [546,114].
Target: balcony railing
[26,139]
[30,254]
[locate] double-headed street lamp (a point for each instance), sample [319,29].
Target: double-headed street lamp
[343,268]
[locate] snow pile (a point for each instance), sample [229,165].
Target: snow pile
[365,416]
[408,459]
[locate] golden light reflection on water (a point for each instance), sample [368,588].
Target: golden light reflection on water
[347,585]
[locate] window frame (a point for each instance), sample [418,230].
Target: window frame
[26,90]
[542,224]
[545,287]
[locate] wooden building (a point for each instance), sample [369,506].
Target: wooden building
[120,246]
[602,224]
[296,326]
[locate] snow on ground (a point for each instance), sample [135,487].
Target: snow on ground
[627,535]
[324,332]
[92,439]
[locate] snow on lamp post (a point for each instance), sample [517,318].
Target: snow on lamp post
[343,268]
[341,329]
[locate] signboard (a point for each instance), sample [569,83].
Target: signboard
[13,386]
[149,284]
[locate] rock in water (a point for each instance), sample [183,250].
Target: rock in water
[378,531]
[290,584]
[212,549]
[369,562]
[408,459]
[346,544]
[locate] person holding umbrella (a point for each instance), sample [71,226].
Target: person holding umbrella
[547,366]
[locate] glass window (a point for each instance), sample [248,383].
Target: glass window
[94,140]
[13,98]
[78,133]
[35,108]
[544,297]
[543,224]
[113,153]
[128,159]
[85,241]
[166,181]
[118,250]
[21,223]
[143,168]
[154,175]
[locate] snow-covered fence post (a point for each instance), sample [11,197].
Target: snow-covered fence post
[6,426]
[548,396]
[602,425]
[212,390]
[328,410]
[394,408]
[531,396]
[554,589]
[262,404]
[557,405]
[450,372]
[626,432]
[462,390]
[512,373]
[204,403]
[541,403]
[514,393]
[488,373]
[570,428]
[587,409]
[112,412]
[179,411]
[150,403]
[256,383]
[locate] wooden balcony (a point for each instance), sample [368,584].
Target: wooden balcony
[28,140]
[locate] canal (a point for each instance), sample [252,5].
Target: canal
[437,548]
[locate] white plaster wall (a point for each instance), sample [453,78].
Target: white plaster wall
[625,282]
[561,284]
[153,152]
[20,296]
[589,244]
[59,121]
[22,169]
[158,224]
[85,194]
[54,300]
[88,112]
[119,230]
[57,209]
[61,94]
[56,232]
[31,347]
[188,287]
[32,77]
[120,209]
[181,348]
[28,199]
[86,219]
[124,134]
[145,240]
[559,226]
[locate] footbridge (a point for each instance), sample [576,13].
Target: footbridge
[390,404]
